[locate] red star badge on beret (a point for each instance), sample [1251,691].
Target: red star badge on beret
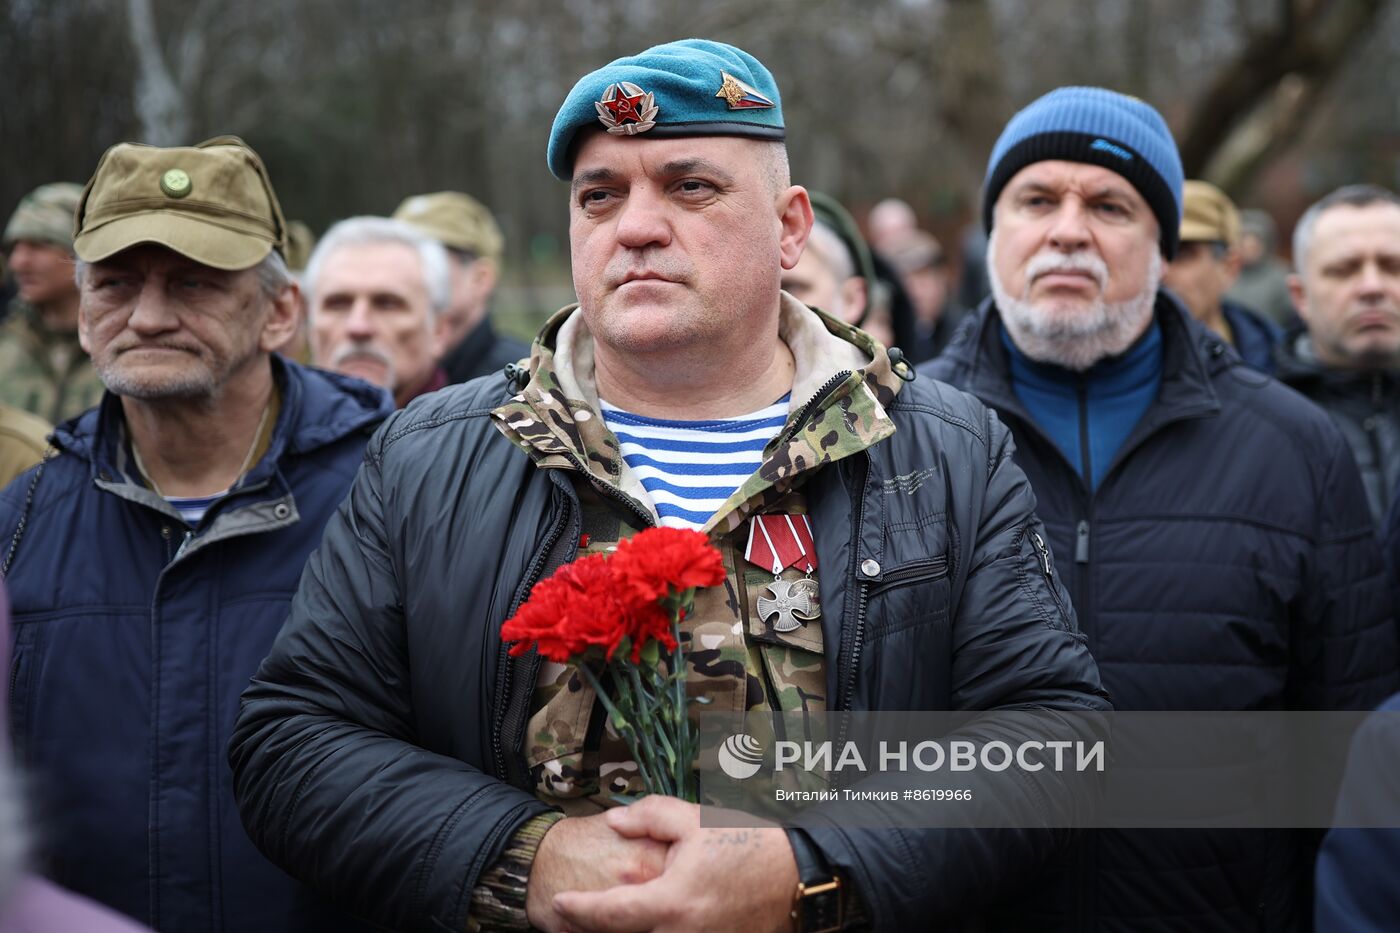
[624,106]
[626,109]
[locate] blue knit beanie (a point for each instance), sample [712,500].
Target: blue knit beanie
[1100,127]
[691,87]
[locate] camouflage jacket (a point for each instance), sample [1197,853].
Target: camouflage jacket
[737,659]
[42,371]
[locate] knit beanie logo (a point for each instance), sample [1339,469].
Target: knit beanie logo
[1103,145]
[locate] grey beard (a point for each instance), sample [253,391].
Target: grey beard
[1076,342]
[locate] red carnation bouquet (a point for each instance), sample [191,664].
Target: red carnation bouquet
[611,616]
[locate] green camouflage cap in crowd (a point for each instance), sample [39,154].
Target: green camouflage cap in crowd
[456,220]
[211,202]
[45,215]
[834,215]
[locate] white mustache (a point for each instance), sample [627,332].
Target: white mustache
[1047,261]
[352,350]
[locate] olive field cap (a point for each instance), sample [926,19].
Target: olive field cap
[212,203]
[692,87]
[456,220]
[45,215]
[1208,215]
[301,243]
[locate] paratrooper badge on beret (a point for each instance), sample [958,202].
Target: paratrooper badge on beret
[627,110]
[741,96]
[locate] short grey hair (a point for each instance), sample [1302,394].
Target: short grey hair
[1346,196]
[826,244]
[273,274]
[371,231]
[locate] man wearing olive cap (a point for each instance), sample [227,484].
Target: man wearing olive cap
[1207,264]
[466,228]
[393,752]
[150,563]
[1209,523]
[43,370]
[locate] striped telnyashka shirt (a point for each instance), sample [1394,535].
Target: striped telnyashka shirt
[691,467]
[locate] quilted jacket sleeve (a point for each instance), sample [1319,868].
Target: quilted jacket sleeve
[329,780]
[1019,648]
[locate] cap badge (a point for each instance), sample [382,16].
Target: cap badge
[741,96]
[175,183]
[626,109]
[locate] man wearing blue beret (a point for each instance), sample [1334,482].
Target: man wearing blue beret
[392,753]
[1210,523]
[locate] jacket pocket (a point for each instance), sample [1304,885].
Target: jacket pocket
[922,571]
[21,679]
[913,596]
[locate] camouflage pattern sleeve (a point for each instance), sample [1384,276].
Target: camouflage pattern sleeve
[498,900]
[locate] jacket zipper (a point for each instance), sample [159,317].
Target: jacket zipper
[933,569]
[509,709]
[850,656]
[820,396]
[1369,425]
[1085,461]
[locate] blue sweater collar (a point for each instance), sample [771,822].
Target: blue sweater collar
[1134,369]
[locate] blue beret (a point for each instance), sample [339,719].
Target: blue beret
[693,87]
[1101,127]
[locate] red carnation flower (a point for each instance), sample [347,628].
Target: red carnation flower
[658,562]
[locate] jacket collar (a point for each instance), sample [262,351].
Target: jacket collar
[843,383]
[1191,355]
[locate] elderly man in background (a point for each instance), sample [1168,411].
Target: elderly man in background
[1207,263]
[1210,525]
[475,244]
[1346,248]
[923,271]
[43,370]
[394,754]
[378,290]
[151,562]
[826,276]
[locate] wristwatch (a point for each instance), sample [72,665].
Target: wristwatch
[817,903]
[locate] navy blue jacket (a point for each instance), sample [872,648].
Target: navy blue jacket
[1225,562]
[134,636]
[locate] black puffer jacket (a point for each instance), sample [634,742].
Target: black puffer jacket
[1365,405]
[1225,562]
[378,755]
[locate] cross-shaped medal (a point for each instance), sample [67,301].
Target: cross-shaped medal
[792,600]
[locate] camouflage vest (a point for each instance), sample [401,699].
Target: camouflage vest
[735,657]
[44,372]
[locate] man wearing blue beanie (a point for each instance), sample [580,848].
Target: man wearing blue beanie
[1210,524]
[880,548]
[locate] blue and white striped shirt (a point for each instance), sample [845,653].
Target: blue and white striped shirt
[691,467]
